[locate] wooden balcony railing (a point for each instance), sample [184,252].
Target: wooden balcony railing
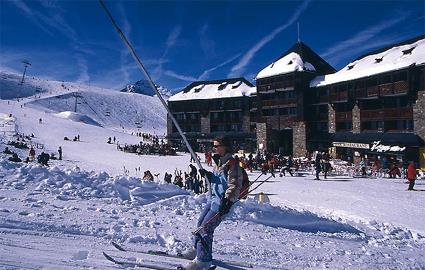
[273,102]
[387,114]
[401,87]
[343,116]
[339,96]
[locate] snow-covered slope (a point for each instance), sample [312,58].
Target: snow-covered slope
[107,108]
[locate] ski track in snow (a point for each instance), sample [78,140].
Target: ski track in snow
[65,215]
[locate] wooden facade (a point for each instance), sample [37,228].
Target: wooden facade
[289,116]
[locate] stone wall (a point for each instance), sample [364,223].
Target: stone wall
[299,143]
[205,124]
[356,119]
[331,119]
[419,115]
[262,136]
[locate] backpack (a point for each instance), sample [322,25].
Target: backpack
[245,179]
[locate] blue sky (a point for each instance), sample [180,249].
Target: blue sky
[184,41]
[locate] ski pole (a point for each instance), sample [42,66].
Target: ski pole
[197,230]
[153,86]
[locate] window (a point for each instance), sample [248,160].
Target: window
[408,51]
[379,60]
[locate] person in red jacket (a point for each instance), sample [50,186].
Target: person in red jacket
[411,175]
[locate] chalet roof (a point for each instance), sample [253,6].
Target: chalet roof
[225,88]
[391,58]
[298,58]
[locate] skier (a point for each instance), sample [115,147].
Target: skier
[226,182]
[60,152]
[411,175]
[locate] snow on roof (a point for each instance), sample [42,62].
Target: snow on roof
[392,59]
[287,64]
[215,89]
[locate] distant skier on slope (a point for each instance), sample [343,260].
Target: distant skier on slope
[226,183]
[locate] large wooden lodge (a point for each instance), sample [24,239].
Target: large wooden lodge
[375,105]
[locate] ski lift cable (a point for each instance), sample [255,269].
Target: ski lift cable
[153,86]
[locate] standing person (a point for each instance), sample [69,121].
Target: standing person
[192,171]
[363,166]
[411,175]
[327,164]
[318,165]
[226,183]
[32,154]
[60,152]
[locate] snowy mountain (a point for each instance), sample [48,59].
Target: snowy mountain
[105,107]
[143,87]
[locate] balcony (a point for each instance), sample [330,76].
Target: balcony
[387,114]
[343,116]
[396,88]
[369,92]
[401,87]
[275,102]
[338,97]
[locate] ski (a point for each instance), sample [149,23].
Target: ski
[128,263]
[224,264]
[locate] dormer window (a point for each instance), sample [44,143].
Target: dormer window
[236,85]
[379,60]
[408,51]
[222,86]
[199,88]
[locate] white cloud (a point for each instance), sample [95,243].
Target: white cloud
[207,72]
[207,44]
[180,77]
[239,68]
[83,68]
[363,37]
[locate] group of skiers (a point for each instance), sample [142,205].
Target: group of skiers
[154,148]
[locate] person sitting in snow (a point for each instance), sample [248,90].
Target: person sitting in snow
[148,176]
[7,151]
[15,158]
[32,154]
[226,183]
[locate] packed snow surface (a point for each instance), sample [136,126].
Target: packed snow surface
[215,90]
[389,60]
[63,216]
[289,63]
[77,117]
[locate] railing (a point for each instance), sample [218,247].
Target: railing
[393,113]
[400,87]
[343,116]
[274,102]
